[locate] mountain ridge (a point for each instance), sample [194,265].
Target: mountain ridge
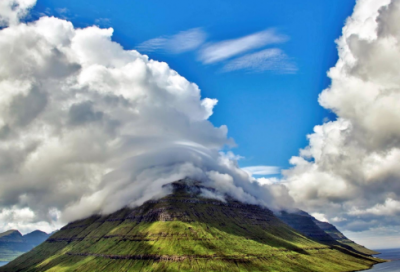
[185,231]
[13,243]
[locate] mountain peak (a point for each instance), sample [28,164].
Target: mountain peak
[11,235]
[185,231]
[36,232]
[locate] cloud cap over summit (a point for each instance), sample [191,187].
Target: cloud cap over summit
[89,127]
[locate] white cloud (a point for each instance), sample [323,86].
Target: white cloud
[62,10]
[152,45]
[268,181]
[103,22]
[320,216]
[338,219]
[187,40]
[11,11]
[23,219]
[88,127]
[350,168]
[266,60]
[219,51]
[376,238]
[389,208]
[262,170]
[183,41]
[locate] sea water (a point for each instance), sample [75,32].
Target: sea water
[388,254]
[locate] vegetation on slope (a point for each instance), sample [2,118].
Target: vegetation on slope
[323,232]
[185,232]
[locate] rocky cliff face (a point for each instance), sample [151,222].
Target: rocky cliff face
[342,239]
[323,232]
[307,226]
[185,231]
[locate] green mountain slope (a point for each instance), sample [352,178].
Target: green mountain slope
[305,225]
[13,243]
[186,232]
[323,232]
[342,239]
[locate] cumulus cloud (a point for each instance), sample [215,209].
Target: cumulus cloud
[377,238]
[88,127]
[273,59]
[11,11]
[320,216]
[350,169]
[389,208]
[215,52]
[24,220]
[183,41]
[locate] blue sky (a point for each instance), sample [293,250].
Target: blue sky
[266,63]
[268,113]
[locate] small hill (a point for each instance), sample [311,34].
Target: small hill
[185,231]
[13,243]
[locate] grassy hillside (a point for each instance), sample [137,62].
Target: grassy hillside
[185,232]
[323,232]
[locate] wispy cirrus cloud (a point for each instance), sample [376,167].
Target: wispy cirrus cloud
[219,51]
[261,170]
[152,45]
[103,22]
[234,54]
[183,41]
[62,10]
[273,59]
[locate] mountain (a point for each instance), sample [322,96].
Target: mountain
[35,237]
[342,239]
[323,232]
[13,243]
[11,236]
[305,225]
[186,231]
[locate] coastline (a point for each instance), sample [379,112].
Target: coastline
[388,261]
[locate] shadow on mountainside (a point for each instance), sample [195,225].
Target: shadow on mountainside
[180,231]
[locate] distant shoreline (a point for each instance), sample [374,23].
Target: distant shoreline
[391,255]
